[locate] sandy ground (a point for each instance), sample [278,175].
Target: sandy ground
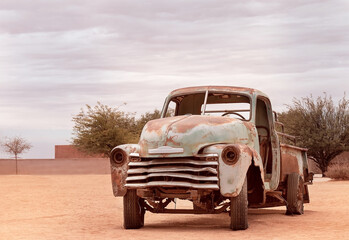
[82,207]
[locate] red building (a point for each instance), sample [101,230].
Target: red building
[70,151]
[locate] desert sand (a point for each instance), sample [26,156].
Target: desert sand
[83,207]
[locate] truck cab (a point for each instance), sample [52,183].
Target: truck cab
[217,147]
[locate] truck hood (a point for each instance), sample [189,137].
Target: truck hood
[185,135]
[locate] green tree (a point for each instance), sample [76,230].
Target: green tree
[99,129]
[320,126]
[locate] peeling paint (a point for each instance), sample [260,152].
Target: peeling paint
[119,172]
[192,90]
[292,160]
[193,133]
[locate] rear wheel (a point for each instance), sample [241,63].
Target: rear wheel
[196,208]
[295,189]
[133,211]
[239,210]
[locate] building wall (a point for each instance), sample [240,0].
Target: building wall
[55,166]
[68,160]
[71,152]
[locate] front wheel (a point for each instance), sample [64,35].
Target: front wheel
[295,189]
[133,211]
[239,210]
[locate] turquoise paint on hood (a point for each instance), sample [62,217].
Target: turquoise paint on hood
[192,132]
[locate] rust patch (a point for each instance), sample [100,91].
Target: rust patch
[249,126]
[206,135]
[246,150]
[293,147]
[190,90]
[194,121]
[289,164]
[130,149]
[217,146]
[158,124]
[143,151]
[171,140]
[118,177]
[155,125]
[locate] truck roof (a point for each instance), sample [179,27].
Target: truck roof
[189,90]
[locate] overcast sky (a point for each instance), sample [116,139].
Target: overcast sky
[57,56]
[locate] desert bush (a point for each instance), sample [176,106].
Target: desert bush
[98,129]
[339,169]
[320,125]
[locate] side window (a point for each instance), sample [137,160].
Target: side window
[261,114]
[190,104]
[171,109]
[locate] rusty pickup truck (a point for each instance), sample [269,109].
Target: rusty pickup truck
[217,147]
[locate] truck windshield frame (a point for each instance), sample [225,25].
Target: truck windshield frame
[200,103]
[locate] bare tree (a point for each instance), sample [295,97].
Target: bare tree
[16,146]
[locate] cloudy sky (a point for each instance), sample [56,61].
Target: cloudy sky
[58,55]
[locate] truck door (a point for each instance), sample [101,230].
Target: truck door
[268,143]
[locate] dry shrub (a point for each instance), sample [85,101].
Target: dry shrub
[339,169]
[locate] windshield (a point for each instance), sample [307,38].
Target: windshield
[210,103]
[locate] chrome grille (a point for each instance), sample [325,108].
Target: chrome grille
[195,173]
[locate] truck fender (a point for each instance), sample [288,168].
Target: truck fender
[232,174]
[119,167]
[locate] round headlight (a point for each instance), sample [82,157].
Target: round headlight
[118,157]
[230,154]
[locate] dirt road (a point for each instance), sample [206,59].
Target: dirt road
[82,207]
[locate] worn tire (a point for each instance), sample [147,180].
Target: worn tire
[295,190]
[195,208]
[133,212]
[239,210]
